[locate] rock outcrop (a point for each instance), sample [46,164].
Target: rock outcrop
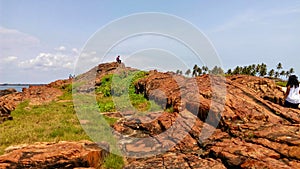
[93,77]
[7,91]
[232,122]
[255,130]
[54,155]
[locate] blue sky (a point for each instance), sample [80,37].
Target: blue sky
[41,40]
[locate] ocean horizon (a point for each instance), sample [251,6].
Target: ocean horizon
[17,87]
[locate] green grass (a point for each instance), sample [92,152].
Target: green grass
[57,121]
[110,120]
[114,161]
[170,109]
[117,93]
[49,122]
[281,83]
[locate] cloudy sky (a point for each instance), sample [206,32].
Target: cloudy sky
[40,41]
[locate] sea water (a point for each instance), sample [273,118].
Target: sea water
[18,88]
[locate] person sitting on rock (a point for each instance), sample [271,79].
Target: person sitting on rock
[118,59]
[292,95]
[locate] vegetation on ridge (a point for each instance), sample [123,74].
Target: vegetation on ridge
[253,70]
[117,93]
[49,122]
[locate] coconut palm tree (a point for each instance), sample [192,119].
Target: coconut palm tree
[237,70]
[282,73]
[199,71]
[279,67]
[257,68]
[188,72]
[194,73]
[204,69]
[263,69]
[287,74]
[277,74]
[291,70]
[271,73]
[229,72]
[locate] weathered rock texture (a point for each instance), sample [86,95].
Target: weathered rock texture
[89,80]
[255,130]
[7,91]
[54,155]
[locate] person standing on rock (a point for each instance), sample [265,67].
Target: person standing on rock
[292,95]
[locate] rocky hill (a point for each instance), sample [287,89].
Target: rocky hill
[215,122]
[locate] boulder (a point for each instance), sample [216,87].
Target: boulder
[63,154]
[7,91]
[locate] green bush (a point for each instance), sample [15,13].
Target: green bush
[105,87]
[106,106]
[121,88]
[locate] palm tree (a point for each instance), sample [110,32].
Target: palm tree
[239,70]
[199,70]
[282,73]
[188,72]
[292,70]
[287,74]
[277,74]
[204,69]
[257,68]
[279,66]
[229,72]
[271,73]
[245,70]
[194,73]
[263,69]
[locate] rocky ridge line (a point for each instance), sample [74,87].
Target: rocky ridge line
[254,131]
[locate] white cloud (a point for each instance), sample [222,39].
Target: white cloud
[10,59]
[75,50]
[46,66]
[61,48]
[49,61]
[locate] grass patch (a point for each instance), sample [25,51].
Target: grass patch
[54,121]
[105,87]
[114,161]
[281,83]
[110,120]
[106,104]
[170,109]
[67,89]
[117,93]
[58,121]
